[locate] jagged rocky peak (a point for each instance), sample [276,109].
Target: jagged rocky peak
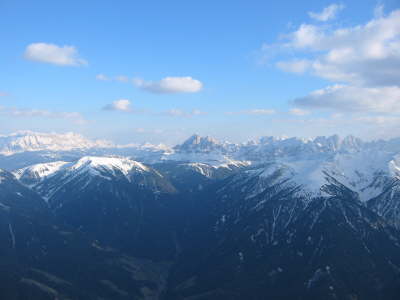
[335,143]
[197,143]
[328,143]
[351,141]
[283,146]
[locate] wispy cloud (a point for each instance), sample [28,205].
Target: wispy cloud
[3,94]
[257,111]
[54,54]
[75,117]
[120,78]
[170,85]
[294,66]
[123,105]
[148,131]
[299,112]
[328,13]
[181,113]
[379,11]
[102,77]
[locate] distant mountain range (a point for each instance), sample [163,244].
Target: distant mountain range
[277,218]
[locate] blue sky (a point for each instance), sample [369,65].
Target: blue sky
[158,71]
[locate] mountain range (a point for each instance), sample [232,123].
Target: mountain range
[276,218]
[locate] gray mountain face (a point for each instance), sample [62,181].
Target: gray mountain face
[255,245]
[387,203]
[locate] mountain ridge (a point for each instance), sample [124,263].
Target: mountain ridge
[321,215]
[37,141]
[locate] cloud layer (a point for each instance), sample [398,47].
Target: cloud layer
[347,98]
[53,54]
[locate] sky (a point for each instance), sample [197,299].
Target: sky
[159,71]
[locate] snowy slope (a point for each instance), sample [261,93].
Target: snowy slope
[87,164]
[208,169]
[100,165]
[35,173]
[366,172]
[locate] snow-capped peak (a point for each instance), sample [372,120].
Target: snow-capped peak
[39,171]
[33,141]
[92,166]
[124,165]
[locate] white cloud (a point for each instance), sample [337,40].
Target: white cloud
[102,77]
[53,54]
[307,36]
[170,85]
[257,111]
[167,85]
[299,112]
[75,117]
[181,113]
[328,13]
[354,98]
[349,54]
[362,61]
[119,105]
